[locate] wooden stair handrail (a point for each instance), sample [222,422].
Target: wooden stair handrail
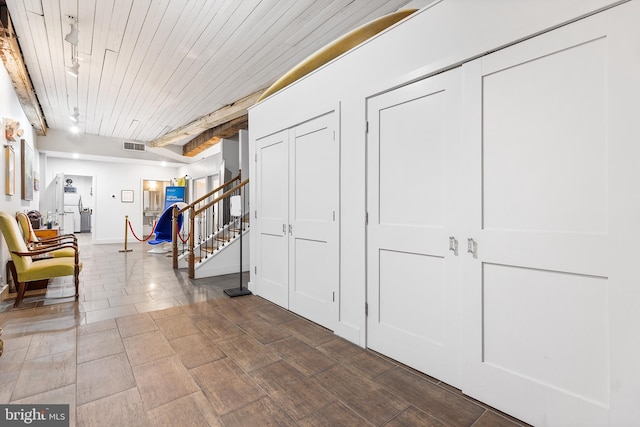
[209,194]
[222,196]
[194,213]
[190,207]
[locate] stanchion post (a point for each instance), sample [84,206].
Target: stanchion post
[126,235]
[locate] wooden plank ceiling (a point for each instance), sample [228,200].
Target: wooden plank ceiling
[163,71]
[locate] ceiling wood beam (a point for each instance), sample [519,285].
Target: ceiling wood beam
[212,136]
[17,70]
[217,118]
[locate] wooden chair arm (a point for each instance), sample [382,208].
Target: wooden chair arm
[57,238]
[46,250]
[44,245]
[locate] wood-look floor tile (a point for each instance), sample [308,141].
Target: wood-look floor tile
[434,400]
[195,350]
[11,364]
[52,343]
[135,287]
[262,413]
[274,315]
[6,390]
[156,304]
[491,419]
[334,414]
[92,328]
[226,386]
[413,417]
[103,377]
[147,347]
[218,328]
[45,373]
[60,396]
[99,345]
[176,326]
[308,332]
[361,360]
[368,364]
[262,331]
[294,392]
[367,398]
[248,301]
[129,299]
[192,410]
[162,381]
[167,312]
[121,409]
[340,349]
[62,324]
[110,313]
[236,312]
[302,356]
[248,353]
[99,304]
[136,324]
[16,343]
[199,310]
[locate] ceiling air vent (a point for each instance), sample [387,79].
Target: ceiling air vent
[133,146]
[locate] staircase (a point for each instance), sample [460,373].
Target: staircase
[213,226]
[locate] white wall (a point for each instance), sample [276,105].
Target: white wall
[202,168]
[109,179]
[10,108]
[424,44]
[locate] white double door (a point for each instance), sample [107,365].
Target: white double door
[297,218]
[528,158]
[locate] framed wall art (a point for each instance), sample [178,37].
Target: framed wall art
[127,196]
[27,170]
[10,170]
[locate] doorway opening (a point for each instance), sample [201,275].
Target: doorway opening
[153,202]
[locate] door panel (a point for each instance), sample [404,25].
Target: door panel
[273,180]
[413,184]
[313,240]
[541,154]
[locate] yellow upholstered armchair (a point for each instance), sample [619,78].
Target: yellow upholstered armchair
[33,242]
[30,270]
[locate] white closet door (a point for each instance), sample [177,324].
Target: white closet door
[314,198]
[413,279]
[549,161]
[272,173]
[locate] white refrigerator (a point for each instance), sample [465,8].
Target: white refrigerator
[72,209]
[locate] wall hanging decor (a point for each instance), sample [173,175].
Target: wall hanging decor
[10,170]
[27,170]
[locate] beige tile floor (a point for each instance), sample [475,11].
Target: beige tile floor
[145,346]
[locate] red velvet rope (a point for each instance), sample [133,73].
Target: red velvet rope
[146,238]
[180,237]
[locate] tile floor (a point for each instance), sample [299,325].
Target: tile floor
[145,346]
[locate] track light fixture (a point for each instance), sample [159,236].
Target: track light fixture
[72,70]
[72,37]
[75,117]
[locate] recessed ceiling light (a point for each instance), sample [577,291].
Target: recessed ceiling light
[74,129]
[76,155]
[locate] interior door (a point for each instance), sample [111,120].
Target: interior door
[272,171]
[548,160]
[413,263]
[313,236]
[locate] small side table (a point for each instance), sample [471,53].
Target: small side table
[45,233]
